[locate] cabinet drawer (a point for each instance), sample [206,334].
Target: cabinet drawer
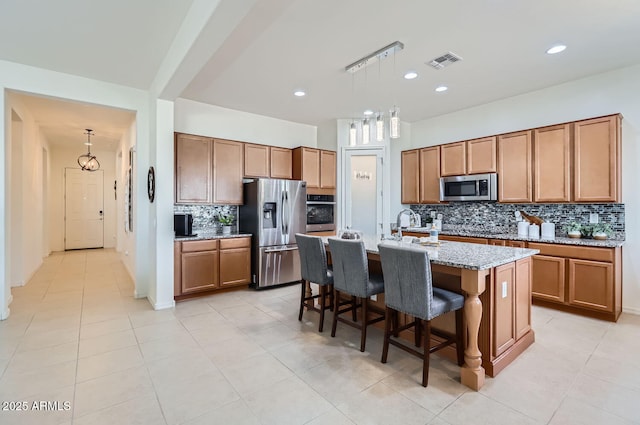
[581,252]
[192,246]
[235,243]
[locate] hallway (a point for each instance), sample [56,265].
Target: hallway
[76,336]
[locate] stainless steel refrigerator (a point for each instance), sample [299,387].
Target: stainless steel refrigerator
[273,212]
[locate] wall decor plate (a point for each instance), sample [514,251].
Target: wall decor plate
[151,184]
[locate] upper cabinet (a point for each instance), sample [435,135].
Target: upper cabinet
[481,155]
[317,167]
[453,159]
[430,175]
[193,156]
[469,157]
[596,156]
[256,160]
[208,170]
[551,159]
[514,167]
[280,163]
[410,177]
[227,172]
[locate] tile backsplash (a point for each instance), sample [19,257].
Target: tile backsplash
[205,216]
[498,217]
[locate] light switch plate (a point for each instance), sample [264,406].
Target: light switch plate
[433,214]
[594,218]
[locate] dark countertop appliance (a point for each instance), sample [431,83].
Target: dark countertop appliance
[183,225]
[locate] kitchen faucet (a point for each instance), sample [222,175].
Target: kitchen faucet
[413,217]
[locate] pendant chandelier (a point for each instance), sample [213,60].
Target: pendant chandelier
[88,162]
[367,124]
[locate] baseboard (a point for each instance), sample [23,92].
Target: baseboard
[4,315]
[10,300]
[161,306]
[631,310]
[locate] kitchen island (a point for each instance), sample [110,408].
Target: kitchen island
[496,282]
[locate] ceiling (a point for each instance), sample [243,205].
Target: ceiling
[283,45]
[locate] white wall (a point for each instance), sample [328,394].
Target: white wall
[595,96]
[126,241]
[62,158]
[213,121]
[48,83]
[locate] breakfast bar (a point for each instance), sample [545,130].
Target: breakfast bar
[496,282]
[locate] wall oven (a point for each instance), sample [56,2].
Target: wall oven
[475,187]
[321,211]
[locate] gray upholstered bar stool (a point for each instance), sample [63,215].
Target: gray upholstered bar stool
[314,268]
[409,289]
[351,276]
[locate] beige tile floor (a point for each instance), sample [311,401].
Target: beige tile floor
[77,335]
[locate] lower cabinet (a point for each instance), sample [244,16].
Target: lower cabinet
[582,280]
[211,264]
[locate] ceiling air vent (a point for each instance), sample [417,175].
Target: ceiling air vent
[444,60]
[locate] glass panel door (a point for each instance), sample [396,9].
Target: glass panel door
[363,190]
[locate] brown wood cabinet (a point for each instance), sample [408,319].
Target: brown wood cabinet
[524,273]
[453,159]
[227,171]
[235,261]
[206,265]
[481,155]
[504,298]
[514,167]
[317,167]
[410,161]
[582,280]
[208,170]
[597,159]
[468,239]
[256,160]
[429,175]
[193,156]
[551,163]
[281,163]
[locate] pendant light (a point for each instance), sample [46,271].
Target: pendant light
[379,127]
[353,133]
[88,162]
[394,123]
[366,131]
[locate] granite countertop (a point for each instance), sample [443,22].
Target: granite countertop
[203,234]
[607,243]
[458,254]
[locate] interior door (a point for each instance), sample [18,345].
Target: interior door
[84,209]
[363,190]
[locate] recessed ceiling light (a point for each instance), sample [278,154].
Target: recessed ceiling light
[442,88]
[368,112]
[299,93]
[410,75]
[556,49]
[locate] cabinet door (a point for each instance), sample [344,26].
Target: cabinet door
[497,242]
[280,163]
[524,272]
[306,166]
[227,172]
[548,278]
[504,334]
[177,268]
[551,166]
[591,284]
[597,160]
[467,239]
[516,244]
[454,159]
[193,169]
[199,271]
[481,155]
[429,175]
[256,160]
[235,266]
[514,167]
[327,169]
[410,177]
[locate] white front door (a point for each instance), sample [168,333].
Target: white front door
[363,190]
[84,209]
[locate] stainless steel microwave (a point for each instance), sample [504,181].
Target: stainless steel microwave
[475,187]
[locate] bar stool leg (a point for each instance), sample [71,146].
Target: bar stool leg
[427,346]
[418,332]
[336,311]
[365,320]
[354,307]
[303,285]
[388,318]
[323,289]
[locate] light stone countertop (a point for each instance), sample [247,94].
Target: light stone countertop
[458,254]
[607,243]
[204,234]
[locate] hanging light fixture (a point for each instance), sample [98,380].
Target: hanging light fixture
[88,162]
[379,127]
[394,123]
[353,133]
[366,131]
[394,114]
